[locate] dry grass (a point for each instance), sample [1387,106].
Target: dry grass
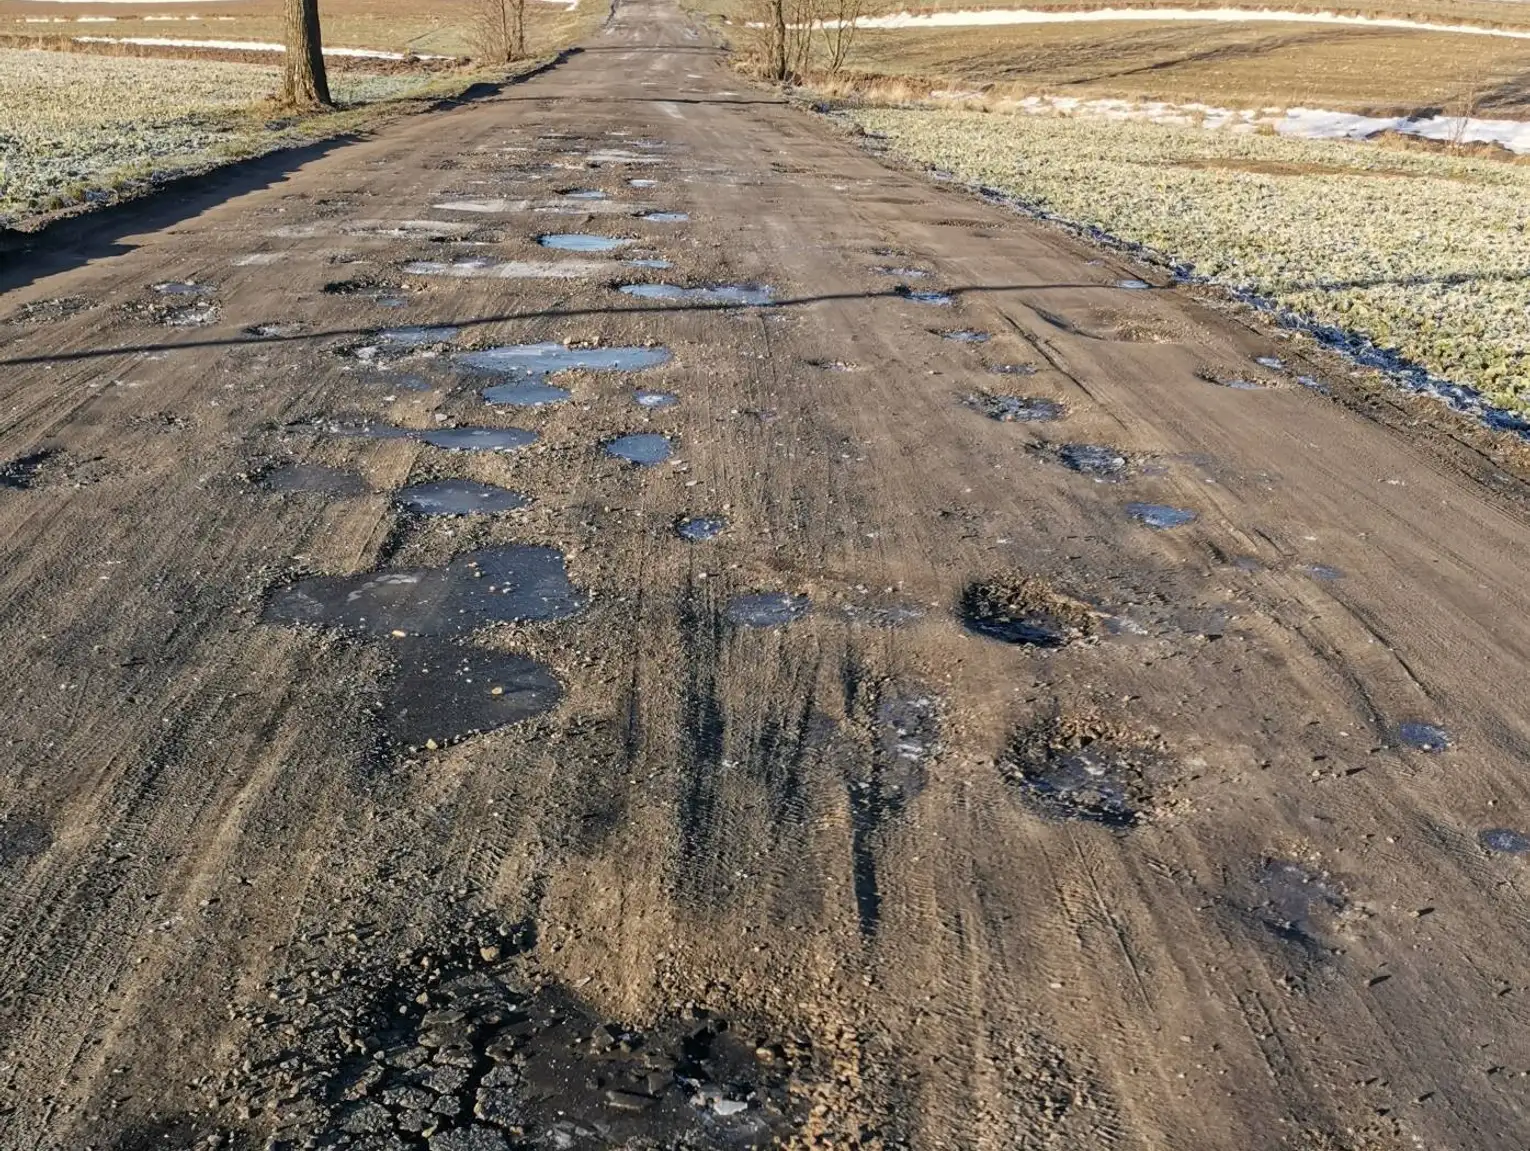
[1229,65]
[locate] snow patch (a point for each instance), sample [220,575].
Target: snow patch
[245,46]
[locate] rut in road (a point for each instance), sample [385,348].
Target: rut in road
[947,721]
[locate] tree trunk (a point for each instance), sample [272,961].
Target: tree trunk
[778,64]
[304,84]
[518,44]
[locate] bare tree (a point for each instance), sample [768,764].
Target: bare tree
[501,28]
[838,28]
[305,86]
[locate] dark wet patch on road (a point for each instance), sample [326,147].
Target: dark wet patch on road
[1160,516]
[316,478]
[700,528]
[1015,409]
[937,299]
[1025,611]
[1504,841]
[1092,459]
[1296,903]
[724,295]
[1428,737]
[22,839]
[581,242]
[642,448]
[459,498]
[767,609]
[1081,768]
[445,692]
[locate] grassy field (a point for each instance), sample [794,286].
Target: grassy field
[89,127]
[1426,254]
[442,27]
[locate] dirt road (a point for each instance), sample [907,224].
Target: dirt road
[1144,771]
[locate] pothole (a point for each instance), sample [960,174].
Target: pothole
[418,335]
[444,692]
[471,1048]
[53,310]
[727,295]
[1015,409]
[484,269]
[1161,517]
[767,609]
[641,183]
[581,242]
[643,448]
[480,439]
[937,299]
[653,263]
[1133,285]
[665,217]
[1092,459]
[654,400]
[526,394]
[1295,902]
[902,273]
[24,472]
[281,330]
[316,478]
[1323,572]
[1026,611]
[964,335]
[540,360]
[1428,737]
[1235,383]
[1013,369]
[583,194]
[882,612]
[1084,768]
[459,498]
[181,288]
[700,528]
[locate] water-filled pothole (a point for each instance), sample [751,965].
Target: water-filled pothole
[1024,610]
[23,472]
[1296,903]
[654,400]
[938,299]
[480,439]
[643,448]
[1504,840]
[640,183]
[1324,572]
[459,498]
[965,336]
[700,528]
[1015,409]
[1133,285]
[728,295]
[182,288]
[1160,516]
[1013,369]
[655,263]
[314,478]
[541,360]
[583,194]
[767,609]
[442,692]
[418,336]
[1428,737]
[1092,459]
[665,217]
[1081,767]
[526,394]
[581,242]
[902,273]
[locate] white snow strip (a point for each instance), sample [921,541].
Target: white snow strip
[244,46]
[1308,123]
[994,17]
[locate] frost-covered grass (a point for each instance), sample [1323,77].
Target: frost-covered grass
[1426,254]
[76,127]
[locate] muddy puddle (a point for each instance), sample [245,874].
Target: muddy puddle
[701,528]
[1092,459]
[458,498]
[1428,737]
[581,242]
[1015,409]
[1274,363]
[526,394]
[724,295]
[181,288]
[665,217]
[583,194]
[465,1048]
[1160,517]
[475,268]
[316,478]
[418,336]
[441,692]
[642,448]
[1133,285]
[1504,841]
[654,401]
[652,262]
[24,472]
[767,609]
[1024,611]
[1080,768]
[541,360]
